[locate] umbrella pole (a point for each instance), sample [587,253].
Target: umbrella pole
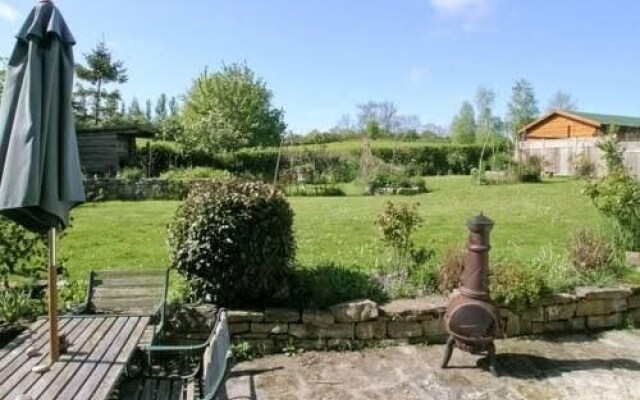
[53,298]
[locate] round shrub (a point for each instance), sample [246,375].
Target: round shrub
[233,240]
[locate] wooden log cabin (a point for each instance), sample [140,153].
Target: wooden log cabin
[562,139]
[560,124]
[104,151]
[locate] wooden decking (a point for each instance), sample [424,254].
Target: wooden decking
[100,347]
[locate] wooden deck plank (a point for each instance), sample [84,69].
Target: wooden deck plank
[19,372]
[130,343]
[81,376]
[61,373]
[104,376]
[176,390]
[127,303]
[149,389]
[164,388]
[131,282]
[103,292]
[21,343]
[116,273]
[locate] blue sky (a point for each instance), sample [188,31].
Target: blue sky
[322,57]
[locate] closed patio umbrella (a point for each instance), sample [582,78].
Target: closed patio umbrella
[40,176]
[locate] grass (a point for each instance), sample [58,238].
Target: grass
[529,218]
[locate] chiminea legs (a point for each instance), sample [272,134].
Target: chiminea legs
[490,349]
[447,352]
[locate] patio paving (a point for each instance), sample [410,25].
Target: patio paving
[599,366]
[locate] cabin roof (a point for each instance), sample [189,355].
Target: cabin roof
[593,119]
[141,131]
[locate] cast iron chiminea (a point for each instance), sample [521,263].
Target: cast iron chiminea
[472,319]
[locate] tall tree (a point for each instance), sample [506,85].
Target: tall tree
[161,108]
[80,104]
[463,126]
[100,70]
[173,107]
[523,107]
[135,111]
[111,106]
[388,116]
[562,101]
[485,99]
[231,109]
[148,111]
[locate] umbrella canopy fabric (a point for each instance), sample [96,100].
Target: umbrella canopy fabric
[40,175]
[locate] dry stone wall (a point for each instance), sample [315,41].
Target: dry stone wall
[364,323]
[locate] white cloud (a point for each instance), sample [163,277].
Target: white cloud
[465,9]
[8,12]
[418,74]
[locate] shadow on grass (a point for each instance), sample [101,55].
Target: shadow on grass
[328,284]
[525,366]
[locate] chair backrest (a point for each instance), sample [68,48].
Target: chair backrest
[131,292]
[217,359]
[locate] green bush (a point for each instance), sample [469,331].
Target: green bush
[233,240]
[584,167]
[22,253]
[590,250]
[395,179]
[16,305]
[133,174]
[617,196]
[530,170]
[197,173]
[517,285]
[324,285]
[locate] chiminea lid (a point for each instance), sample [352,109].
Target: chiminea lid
[480,222]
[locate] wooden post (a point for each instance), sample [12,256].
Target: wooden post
[53,298]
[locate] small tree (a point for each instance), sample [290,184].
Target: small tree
[229,110]
[101,69]
[463,126]
[523,107]
[22,253]
[397,224]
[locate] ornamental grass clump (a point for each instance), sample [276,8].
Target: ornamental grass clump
[233,240]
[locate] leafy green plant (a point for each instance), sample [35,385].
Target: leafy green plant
[518,285]
[72,294]
[132,174]
[244,351]
[16,305]
[397,224]
[590,250]
[451,268]
[583,167]
[187,174]
[617,196]
[530,170]
[233,240]
[22,253]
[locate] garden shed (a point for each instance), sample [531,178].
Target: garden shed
[564,138]
[104,151]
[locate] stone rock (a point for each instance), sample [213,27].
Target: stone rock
[252,335]
[263,346]
[604,321]
[633,301]
[603,293]
[371,330]
[511,325]
[433,327]
[281,315]
[317,345]
[245,316]
[578,324]
[333,331]
[270,328]
[404,330]
[558,298]
[340,344]
[588,308]
[560,311]
[355,311]
[554,326]
[317,317]
[238,327]
[534,314]
[418,309]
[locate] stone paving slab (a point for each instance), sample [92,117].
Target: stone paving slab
[587,367]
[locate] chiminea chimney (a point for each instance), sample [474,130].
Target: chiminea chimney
[472,319]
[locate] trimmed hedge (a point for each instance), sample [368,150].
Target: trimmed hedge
[438,159]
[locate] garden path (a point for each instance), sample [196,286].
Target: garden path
[598,366]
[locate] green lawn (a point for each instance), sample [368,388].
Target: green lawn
[529,218]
